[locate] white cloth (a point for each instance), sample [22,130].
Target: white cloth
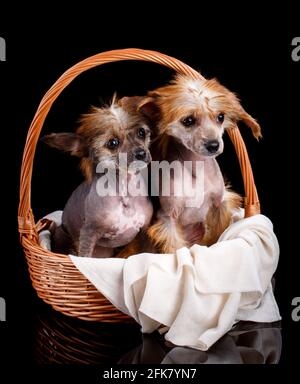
[197,294]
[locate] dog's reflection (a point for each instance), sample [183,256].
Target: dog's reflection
[63,340]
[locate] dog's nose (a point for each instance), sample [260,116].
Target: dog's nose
[140,154]
[212,146]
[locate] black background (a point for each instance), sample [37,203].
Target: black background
[256,65]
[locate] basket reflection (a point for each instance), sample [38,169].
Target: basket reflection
[65,340]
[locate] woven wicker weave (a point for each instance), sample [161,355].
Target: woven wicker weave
[54,276]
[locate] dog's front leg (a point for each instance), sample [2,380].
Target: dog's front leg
[87,240]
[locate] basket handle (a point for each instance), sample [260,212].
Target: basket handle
[26,218]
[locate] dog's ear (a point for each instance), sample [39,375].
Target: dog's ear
[130,103]
[242,115]
[67,142]
[148,107]
[251,123]
[141,104]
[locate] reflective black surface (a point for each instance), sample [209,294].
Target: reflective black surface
[62,340]
[256,66]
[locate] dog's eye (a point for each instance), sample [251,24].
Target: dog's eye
[141,133]
[220,117]
[113,143]
[188,121]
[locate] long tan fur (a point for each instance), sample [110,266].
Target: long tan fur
[219,218]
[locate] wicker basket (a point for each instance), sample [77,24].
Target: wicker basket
[54,276]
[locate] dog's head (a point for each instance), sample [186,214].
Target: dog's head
[106,133]
[196,113]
